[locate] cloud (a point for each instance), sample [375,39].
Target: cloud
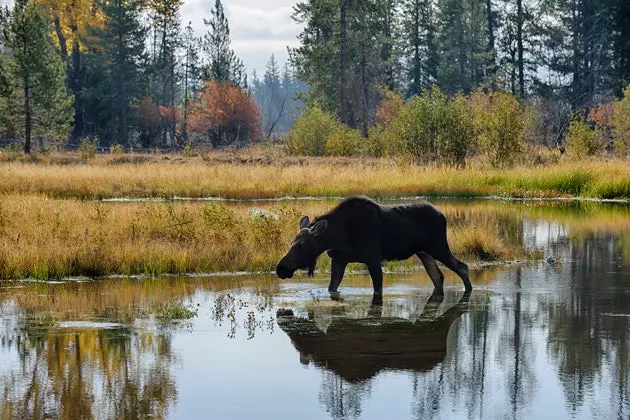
[257,28]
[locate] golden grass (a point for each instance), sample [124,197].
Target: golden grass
[48,238]
[256,177]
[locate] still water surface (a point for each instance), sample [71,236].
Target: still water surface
[533,341]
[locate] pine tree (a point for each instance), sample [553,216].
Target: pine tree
[33,76]
[166,40]
[222,64]
[115,73]
[421,48]
[192,72]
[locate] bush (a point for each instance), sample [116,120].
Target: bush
[499,123]
[432,127]
[344,141]
[582,140]
[87,149]
[310,132]
[117,149]
[621,124]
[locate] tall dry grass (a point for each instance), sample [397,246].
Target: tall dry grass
[48,238]
[265,178]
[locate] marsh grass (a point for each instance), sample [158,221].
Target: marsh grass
[175,310]
[267,177]
[50,239]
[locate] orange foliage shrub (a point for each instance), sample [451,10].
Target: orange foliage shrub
[389,109]
[224,114]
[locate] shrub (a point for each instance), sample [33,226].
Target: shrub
[389,108]
[117,149]
[499,123]
[432,127]
[582,140]
[621,123]
[344,141]
[310,132]
[87,149]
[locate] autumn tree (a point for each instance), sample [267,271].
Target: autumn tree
[32,76]
[70,20]
[223,114]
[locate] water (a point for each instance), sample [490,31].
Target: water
[533,341]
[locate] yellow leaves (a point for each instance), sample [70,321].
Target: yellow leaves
[70,20]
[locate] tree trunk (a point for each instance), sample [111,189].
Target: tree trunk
[491,51]
[386,54]
[28,117]
[364,94]
[519,40]
[342,61]
[76,80]
[63,45]
[416,87]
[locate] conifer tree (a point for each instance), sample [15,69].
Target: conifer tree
[33,76]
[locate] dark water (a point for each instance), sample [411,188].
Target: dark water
[533,341]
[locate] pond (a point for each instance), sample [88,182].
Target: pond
[540,339]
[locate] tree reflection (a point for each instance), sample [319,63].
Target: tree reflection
[87,373]
[589,326]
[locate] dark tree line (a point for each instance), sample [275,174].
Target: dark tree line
[121,72]
[559,54]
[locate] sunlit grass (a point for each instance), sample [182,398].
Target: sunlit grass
[298,177]
[48,238]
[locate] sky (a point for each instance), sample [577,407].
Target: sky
[258,28]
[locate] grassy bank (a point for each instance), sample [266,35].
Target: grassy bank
[267,177]
[48,238]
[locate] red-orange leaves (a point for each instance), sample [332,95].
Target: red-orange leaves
[224,114]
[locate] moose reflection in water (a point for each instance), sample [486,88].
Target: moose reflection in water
[358,349]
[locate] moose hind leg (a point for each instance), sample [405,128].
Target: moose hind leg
[437,277]
[458,267]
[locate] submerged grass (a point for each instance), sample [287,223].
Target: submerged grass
[107,177]
[50,239]
[175,310]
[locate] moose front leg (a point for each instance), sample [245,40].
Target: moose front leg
[337,269]
[376,272]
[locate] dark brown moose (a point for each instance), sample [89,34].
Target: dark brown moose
[358,349]
[360,230]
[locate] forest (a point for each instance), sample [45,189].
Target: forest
[439,80]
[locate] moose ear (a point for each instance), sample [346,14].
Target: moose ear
[319,227]
[304,222]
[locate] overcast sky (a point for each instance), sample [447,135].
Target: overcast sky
[258,27]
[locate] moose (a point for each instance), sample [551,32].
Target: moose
[361,230]
[358,349]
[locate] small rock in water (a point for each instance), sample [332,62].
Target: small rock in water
[550,260]
[256,212]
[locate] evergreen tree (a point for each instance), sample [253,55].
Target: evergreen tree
[192,72]
[421,48]
[166,40]
[222,64]
[33,76]
[115,73]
